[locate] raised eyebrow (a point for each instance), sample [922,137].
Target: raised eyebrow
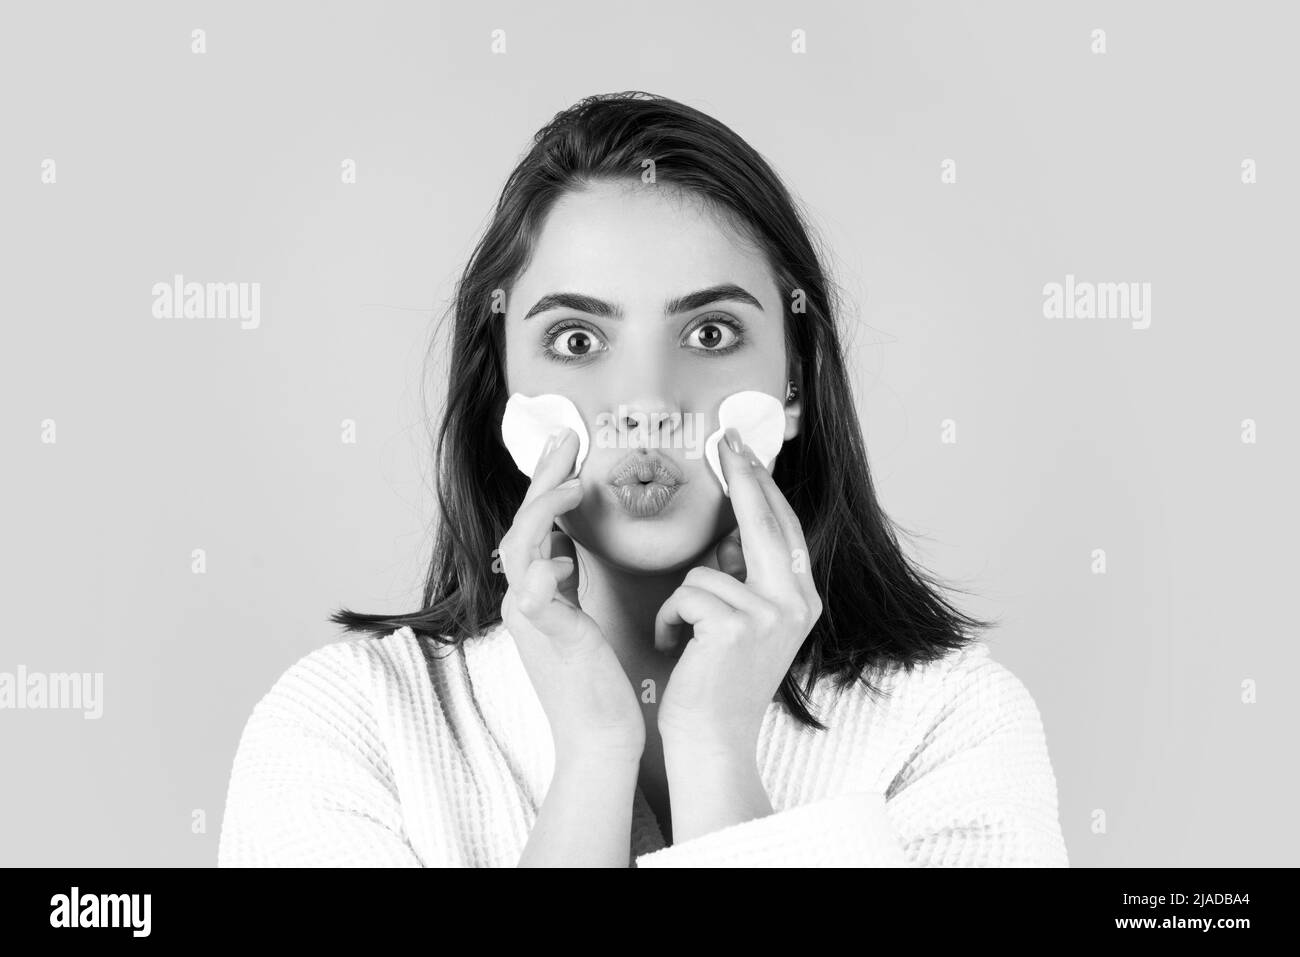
[673,307]
[705,297]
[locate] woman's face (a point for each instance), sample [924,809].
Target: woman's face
[647,384]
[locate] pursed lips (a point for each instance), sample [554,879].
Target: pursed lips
[645,468]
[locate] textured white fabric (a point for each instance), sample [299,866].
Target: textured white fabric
[381,752]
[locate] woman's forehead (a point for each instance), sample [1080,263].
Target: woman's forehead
[639,246]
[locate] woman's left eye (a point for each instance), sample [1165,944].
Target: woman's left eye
[713,335]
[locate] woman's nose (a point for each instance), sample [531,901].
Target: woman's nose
[647,422]
[645,388]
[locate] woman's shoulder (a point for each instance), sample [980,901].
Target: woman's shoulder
[966,689]
[347,677]
[315,775]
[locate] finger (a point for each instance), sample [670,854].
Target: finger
[534,521]
[554,466]
[535,598]
[799,561]
[684,607]
[737,594]
[761,537]
[759,611]
[561,546]
[525,541]
[529,536]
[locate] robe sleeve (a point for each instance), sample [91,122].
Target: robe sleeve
[311,785]
[976,789]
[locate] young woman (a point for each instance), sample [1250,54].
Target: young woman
[660,676]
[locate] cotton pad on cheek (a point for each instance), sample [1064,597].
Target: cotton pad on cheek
[529,421]
[760,420]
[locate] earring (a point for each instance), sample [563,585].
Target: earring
[790,392]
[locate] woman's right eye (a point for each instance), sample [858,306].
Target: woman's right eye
[571,342]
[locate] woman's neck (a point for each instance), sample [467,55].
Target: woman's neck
[624,605]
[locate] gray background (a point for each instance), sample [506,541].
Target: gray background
[1072,434]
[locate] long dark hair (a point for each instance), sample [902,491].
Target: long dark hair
[878,609]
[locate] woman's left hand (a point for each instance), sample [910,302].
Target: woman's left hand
[746,633]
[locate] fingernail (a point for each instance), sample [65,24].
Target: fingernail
[551,442]
[571,483]
[733,440]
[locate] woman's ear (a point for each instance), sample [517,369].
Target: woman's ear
[793,409]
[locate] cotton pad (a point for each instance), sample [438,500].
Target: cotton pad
[760,420]
[529,421]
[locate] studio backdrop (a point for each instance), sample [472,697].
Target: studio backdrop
[1064,238]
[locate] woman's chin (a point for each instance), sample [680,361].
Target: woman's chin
[672,539]
[649,559]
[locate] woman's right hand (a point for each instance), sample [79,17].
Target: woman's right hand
[589,701]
